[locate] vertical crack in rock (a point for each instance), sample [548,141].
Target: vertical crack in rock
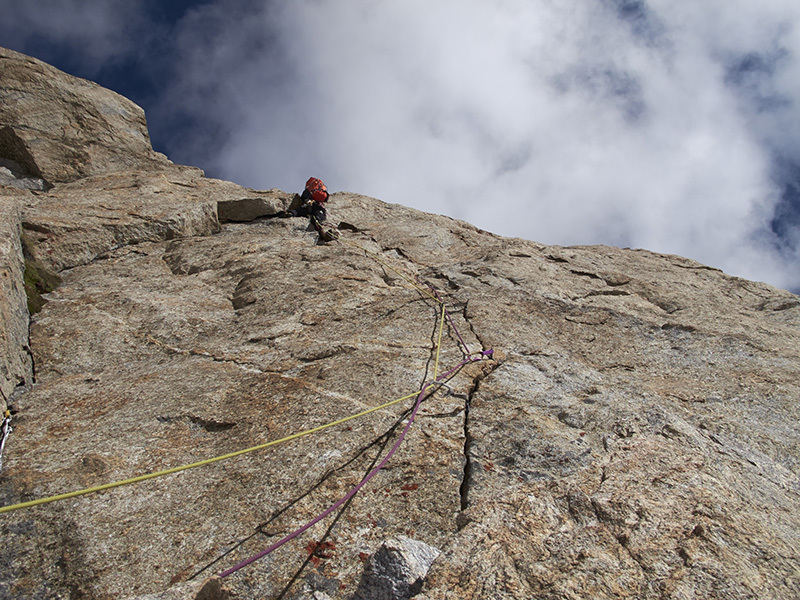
[467,478]
[464,311]
[486,367]
[464,489]
[29,352]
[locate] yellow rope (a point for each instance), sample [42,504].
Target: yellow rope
[140,478]
[418,288]
[201,463]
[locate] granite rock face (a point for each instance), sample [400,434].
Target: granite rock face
[633,435]
[74,223]
[16,369]
[60,128]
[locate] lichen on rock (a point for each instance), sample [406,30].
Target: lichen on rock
[39,280]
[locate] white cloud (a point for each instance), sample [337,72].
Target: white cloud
[92,34]
[651,124]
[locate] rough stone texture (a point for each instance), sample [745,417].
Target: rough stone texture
[617,447]
[264,204]
[61,128]
[210,589]
[74,223]
[641,431]
[13,175]
[15,361]
[397,570]
[634,435]
[218,343]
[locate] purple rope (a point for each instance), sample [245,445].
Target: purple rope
[450,319]
[364,481]
[453,325]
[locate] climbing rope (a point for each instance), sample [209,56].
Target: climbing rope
[336,505]
[469,357]
[450,320]
[6,427]
[201,463]
[363,482]
[444,315]
[438,345]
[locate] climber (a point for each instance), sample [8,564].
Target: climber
[312,205]
[313,201]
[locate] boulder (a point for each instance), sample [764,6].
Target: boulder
[397,570]
[260,204]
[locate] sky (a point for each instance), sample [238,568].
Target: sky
[670,126]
